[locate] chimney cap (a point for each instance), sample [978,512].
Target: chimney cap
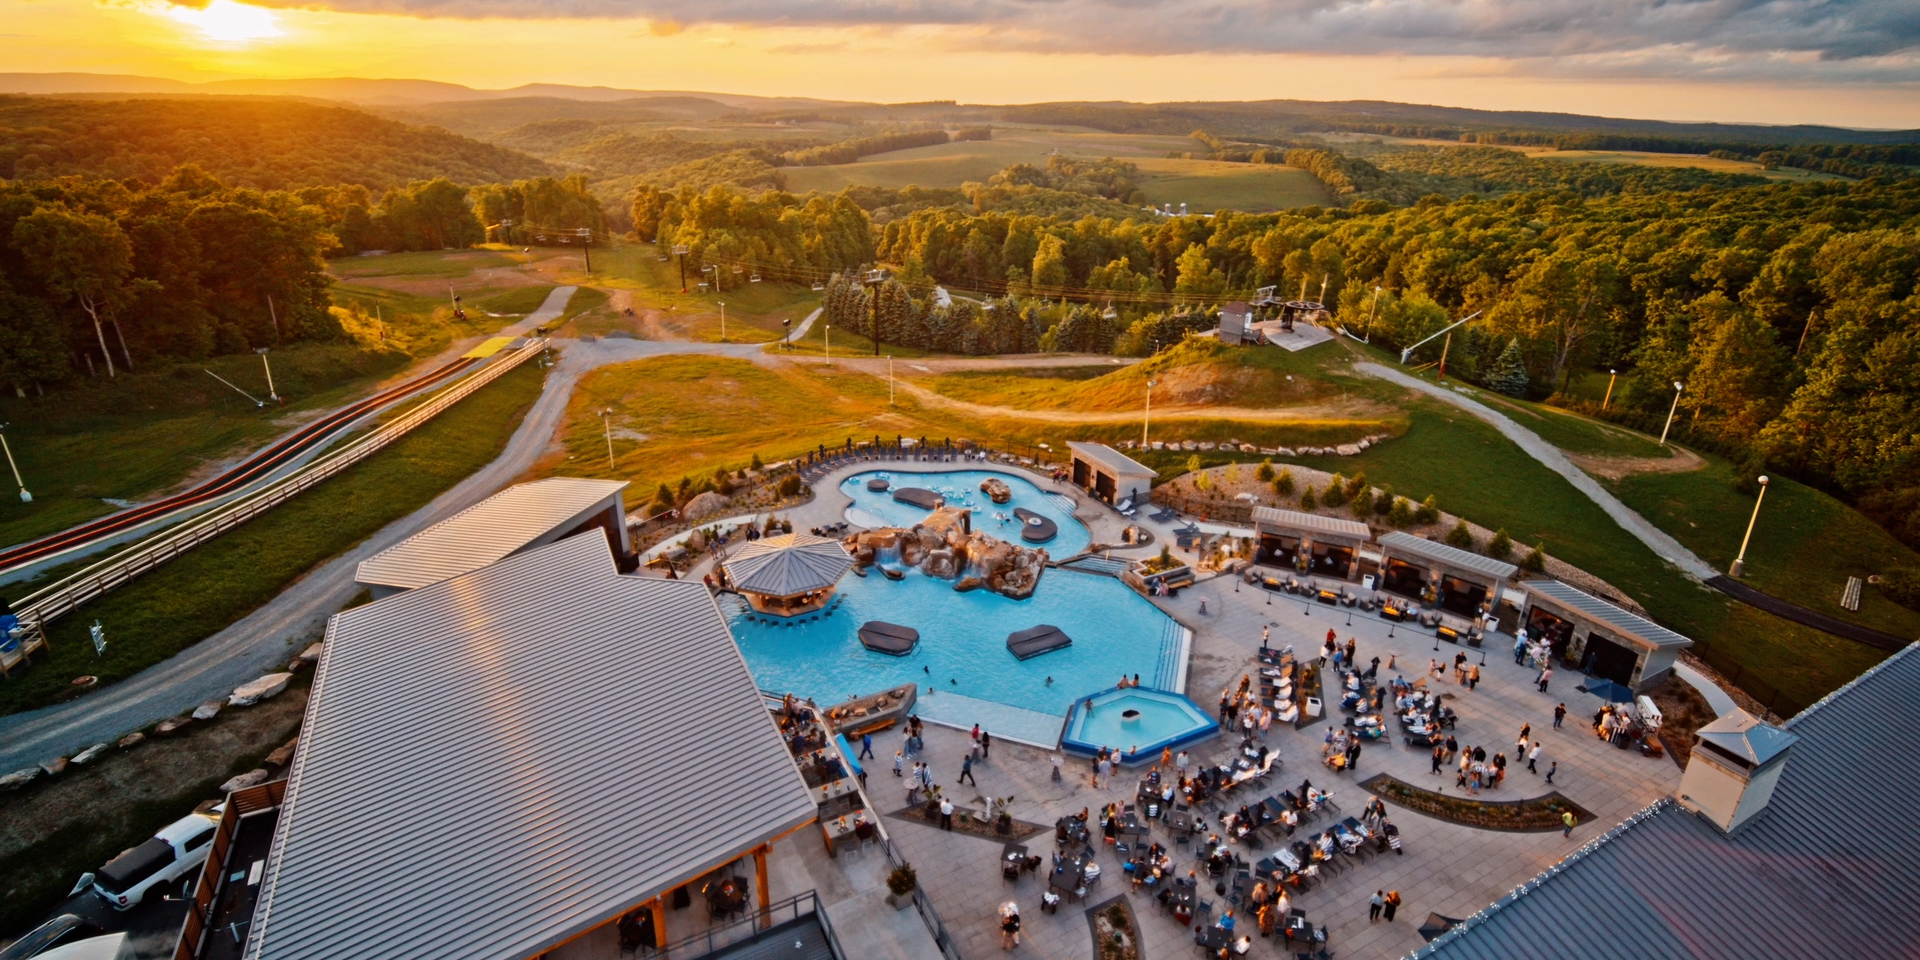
[1745,736]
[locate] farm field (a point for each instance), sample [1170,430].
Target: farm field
[1636,157]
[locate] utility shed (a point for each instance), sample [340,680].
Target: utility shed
[1825,867]
[498,764]
[1599,637]
[518,518]
[1109,474]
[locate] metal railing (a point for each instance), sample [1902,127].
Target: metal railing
[213,873]
[66,595]
[754,924]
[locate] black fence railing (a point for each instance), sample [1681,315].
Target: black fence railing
[753,924]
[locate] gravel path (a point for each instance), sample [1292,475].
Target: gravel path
[1667,547]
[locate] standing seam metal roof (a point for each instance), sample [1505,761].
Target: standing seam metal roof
[788,564]
[1313,523]
[1827,867]
[501,761]
[1116,463]
[1407,543]
[485,532]
[1594,608]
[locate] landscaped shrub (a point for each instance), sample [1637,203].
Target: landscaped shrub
[1357,485]
[1283,484]
[1383,502]
[1401,513]
[1264,472]
[1429,512]
[1336,492]
[1307,500]
[1535,561]
[1902,586]
[1362,504]
[1501,546]
[1460,536]
[790,485]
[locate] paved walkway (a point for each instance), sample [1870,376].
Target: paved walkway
[1549,455]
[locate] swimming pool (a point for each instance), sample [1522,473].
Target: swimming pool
[961,488]
[963,646]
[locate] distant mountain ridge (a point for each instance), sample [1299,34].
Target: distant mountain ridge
[384,92]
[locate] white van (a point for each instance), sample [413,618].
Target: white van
[176,851]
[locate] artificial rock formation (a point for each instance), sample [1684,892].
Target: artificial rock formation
[945,545]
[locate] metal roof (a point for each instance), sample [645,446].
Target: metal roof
[496,763]
[788,564]
[1312,522]
[1116,463]
[1827,866]
[485,532]
[1407,543]
[1594,608]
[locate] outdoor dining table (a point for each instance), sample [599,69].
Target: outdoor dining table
[1213,937]
[1299,929]
[1180,897]
[833,832]
[1180,821]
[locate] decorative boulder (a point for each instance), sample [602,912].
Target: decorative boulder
[942,563]
[90,754]
[208,710]
[252,778]
[248,694]
[19,778]
[283,754]
[131,740]
[171,726]
[55,767]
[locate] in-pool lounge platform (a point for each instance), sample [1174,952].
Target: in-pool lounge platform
[1034,641]
[890,638]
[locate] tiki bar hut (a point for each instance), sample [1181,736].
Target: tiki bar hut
[789,574]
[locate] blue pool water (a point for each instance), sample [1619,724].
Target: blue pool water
[1158,720]
[963,638]
[961,488]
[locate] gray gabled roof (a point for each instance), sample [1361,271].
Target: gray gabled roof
[496,763]
[1741,734]
[1827,867]
[1594,608]
[1115,462]
[1312,523]
[487,531]
[1406,544]
[789,564]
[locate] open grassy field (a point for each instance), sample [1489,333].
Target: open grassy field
[1637,157]
[211,586]
[635,277]
[144,432]
[1204,185]
[1196,373]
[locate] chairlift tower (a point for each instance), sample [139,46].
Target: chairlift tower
[872,280]
[680,250]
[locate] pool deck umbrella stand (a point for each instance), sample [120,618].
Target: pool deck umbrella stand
[1034,641]
[789,574]
[889,638]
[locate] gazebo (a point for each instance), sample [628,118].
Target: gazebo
[789,574]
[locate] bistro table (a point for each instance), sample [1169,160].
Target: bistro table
[833,832]
[1180,821]
[1013,858]
[1213,937]
[1070,877]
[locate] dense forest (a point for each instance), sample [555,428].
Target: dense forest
[265,144]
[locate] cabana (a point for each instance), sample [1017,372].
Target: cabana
[1328,546]
[1599,637]
[1110,475]
[1466,582]
[788,575]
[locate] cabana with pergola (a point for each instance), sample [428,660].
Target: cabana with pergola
[1600,638]
[1329,546]
[1467,583]
[1110,475]
[788,575]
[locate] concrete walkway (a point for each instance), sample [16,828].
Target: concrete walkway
[1549,455]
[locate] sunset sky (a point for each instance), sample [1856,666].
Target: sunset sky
[1786,61]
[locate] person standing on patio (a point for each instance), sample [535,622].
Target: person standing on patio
[866,746]
[899,760]
[1439,757]
[1392,904]
[1375,904]
[1546,674]
[1533,757]
[986,745]
[966,771]
[946,814]
[1567,818]
[1559,714]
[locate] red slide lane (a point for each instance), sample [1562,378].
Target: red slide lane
[240,475]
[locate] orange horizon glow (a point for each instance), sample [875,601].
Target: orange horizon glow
[225,39]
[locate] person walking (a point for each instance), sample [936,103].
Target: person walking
[1552,768]
[1546,675]
[1375,904]
[966,771]
[1392,904]
[1010,930]
[1533,758]
[1439,757]
[1473,678]
[1567,818]
[1520,647]
[946,814]
[866,747]
[1559,714]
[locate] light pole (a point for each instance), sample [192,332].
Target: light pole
[786,334]
[25,497]
[889,379]
[607,423]
[271,395]
[723,323]
[1677,387]
[1374,304]
[1146,417]
[1740,562]
[829,337]
[1612,375]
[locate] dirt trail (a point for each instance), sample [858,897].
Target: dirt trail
[1613,468]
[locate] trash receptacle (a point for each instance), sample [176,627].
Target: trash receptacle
[1314,707]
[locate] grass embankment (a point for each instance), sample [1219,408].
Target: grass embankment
[214,585]
[144,432]
[636,276]
[1195,373]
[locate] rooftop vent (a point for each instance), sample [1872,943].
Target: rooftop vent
[1735,763]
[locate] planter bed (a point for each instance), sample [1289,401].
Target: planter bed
[1533,815]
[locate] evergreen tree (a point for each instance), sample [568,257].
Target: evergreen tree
[1501,546]
[1509,372]
[1460,536]
[1429,512]
[1283,484]
[1536,560]
[1264,472]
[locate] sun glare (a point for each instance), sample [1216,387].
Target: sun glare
[225,21]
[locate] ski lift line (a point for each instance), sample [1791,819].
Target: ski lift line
[256,400]
[803,275]
[1404,354]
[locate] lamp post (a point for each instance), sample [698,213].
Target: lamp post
[1146,417]
[1612,375]
[271,395]
[1677,387]
[786,334]
[25,497]
[829,336]
[1740,562]
[723,322]
[605,414]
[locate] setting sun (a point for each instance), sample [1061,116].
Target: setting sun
[227,22]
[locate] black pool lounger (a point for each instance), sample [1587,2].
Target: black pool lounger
[1034,641]
[891,638]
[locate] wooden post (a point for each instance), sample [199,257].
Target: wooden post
[659,906]
[760,880]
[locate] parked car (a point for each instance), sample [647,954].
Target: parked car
[63,929]
[176,851]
